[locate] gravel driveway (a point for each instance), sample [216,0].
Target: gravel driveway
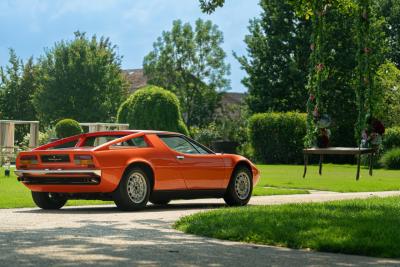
[104,236]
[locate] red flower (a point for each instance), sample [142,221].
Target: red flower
[378,126]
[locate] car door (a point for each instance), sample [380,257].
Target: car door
[201,169]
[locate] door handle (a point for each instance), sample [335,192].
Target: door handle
[180,157]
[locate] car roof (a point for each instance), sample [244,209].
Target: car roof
[125,132]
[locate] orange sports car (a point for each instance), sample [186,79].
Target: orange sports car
[131,168]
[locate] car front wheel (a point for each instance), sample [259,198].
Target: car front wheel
[133,191]
[240,187]
[48,201]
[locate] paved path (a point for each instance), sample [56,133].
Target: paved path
[103,236]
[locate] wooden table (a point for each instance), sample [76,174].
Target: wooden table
[339,151]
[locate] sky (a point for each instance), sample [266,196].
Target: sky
[30,26]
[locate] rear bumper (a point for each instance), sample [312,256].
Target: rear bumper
[22,173]
[104,180]
[59,177]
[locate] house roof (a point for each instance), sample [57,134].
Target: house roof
[136,79]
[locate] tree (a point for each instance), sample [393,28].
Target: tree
[80,79]
[17,87]
[283,67]
[390,11]
[277,59]
[209,6]
[387,82]
[191,64]
[152,108]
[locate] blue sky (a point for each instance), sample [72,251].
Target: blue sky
[29,26]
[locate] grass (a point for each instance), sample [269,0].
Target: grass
[338,178]
[363,227]
[262,191]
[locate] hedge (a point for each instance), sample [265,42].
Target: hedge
[391,138]
[391,159]
[67,127]
[278,137]
[152,108]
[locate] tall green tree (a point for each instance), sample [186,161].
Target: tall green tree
[277,59]
[191,63]
[80,79]
[390,12]
[17,87]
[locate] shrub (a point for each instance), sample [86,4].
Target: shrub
[277,137]
[152,108]
[391,159]
[391,139]
[67,127]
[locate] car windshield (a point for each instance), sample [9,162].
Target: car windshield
[94,141]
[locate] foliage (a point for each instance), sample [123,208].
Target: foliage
[277,59]
[277,137]
[206,135]
[67,127]
[190,63]
[44,138]
[390,11]
[152,108]
[80,79]
[391,159]
[363,227]
[209,6]
[17,85]
[392,138]
[387,82]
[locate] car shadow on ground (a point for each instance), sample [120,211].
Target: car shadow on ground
[145,242]
[113,209]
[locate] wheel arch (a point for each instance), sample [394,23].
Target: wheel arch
[242,163]
[145,166]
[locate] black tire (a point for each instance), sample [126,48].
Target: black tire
[134,198]
[160,202]
[48,201]
[234,197]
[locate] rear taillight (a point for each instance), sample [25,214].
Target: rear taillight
[84,160]
[28,160]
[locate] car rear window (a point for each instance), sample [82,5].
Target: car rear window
[93,141]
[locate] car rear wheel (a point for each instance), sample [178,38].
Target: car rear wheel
[133,191]
[48,201]
[240,187]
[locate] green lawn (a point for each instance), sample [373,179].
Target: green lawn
[364,227]
[262,191]
[339,178]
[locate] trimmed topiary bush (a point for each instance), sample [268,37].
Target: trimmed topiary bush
[152,108]
[391,139]
[67,127]
[278,137]
[391,159]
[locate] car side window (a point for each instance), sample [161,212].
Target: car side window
[200,149]
[134,142]
[179,144]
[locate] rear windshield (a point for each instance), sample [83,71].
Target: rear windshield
[94,141]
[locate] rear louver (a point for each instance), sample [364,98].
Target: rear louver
[55,158]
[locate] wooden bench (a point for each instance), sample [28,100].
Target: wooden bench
[339,151]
